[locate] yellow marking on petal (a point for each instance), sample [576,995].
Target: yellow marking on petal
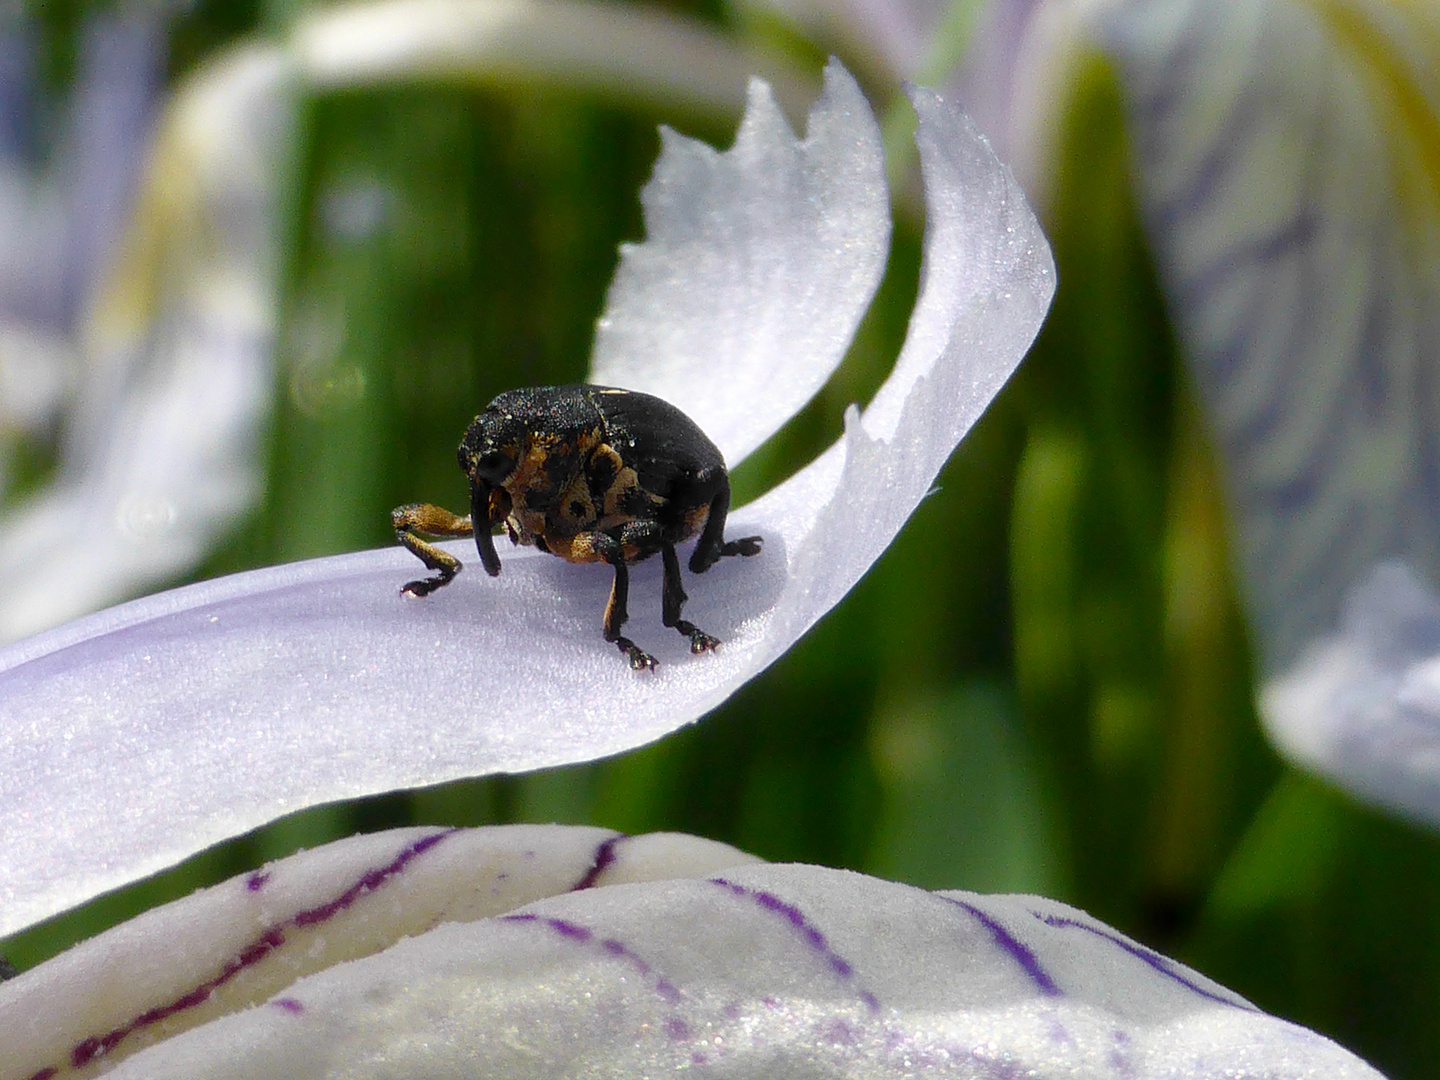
[1410,109]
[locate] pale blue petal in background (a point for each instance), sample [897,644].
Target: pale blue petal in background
[173,361]
[1287,162]
[1283,182]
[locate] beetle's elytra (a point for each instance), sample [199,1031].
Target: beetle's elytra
[591,474]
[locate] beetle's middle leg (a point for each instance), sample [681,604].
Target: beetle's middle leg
[431,520]
[673,599]
[611,550]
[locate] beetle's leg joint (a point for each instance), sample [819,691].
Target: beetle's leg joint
[416,518]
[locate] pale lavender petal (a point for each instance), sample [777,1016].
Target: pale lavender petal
[750,340]
[120,71]
[758,971]
[237,944]
[152,730]
[1279,150]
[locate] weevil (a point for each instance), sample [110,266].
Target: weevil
[592,474]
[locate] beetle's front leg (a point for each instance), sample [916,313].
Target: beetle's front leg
[610,549]
[673,600]
[714,485]
[432,521]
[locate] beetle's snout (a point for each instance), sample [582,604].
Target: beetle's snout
[481,522]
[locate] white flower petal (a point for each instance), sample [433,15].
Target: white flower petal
[985,287]
[754,971]
[750,341]
[237,944]
[144,733]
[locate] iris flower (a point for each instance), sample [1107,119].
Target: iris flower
[137,736]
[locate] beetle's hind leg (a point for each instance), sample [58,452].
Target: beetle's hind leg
[712,545]
[431,520]
[673,600]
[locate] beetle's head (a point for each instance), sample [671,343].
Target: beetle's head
[488,454]
[491,447]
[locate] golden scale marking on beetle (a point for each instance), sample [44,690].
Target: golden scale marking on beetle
[564,530]
[695,519]
[530,477]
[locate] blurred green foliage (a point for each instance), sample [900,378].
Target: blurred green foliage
[1043,686]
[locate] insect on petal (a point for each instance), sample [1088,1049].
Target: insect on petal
[147,732]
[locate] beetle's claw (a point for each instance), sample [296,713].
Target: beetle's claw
[423,587]
[702,642]
[640,660]
[699,640]
[747,546]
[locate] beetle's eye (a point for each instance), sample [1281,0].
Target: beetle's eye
[494,467]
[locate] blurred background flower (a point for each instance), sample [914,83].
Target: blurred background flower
[1046,684]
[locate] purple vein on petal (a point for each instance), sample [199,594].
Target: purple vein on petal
[807,931]
[604,859]
[1012,946]
[372,880]
[582,935]
[1152,959]
[97,1046]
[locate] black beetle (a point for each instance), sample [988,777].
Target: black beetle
[591,474]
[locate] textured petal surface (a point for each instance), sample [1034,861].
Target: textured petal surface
[144,733]
[748,971]
[239,943]
[751,340]
[1288,158]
